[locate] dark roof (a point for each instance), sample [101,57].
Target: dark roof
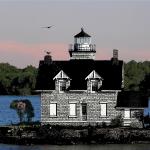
[82,34]
[132,99]
[78,70]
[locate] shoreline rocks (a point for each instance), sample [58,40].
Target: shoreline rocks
[62,135]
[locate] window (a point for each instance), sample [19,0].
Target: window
[72,110]
[53,109]
[94,81]
[103,109]
[62,86]
[84,109]
[127,113]
[94,85]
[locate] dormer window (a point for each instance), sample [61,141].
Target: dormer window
[62,85]
[62,82]
[94,82]
[94,85]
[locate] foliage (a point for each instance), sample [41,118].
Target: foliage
[117,121]
[135,73]
[22,81]
[145,84]
[104,125]
[17,81]
[140,116]
[24,109]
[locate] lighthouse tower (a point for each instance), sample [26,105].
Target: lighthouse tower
[82,47]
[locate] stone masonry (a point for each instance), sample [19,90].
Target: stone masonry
[92,100]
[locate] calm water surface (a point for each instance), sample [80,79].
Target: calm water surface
[78,147]
[8,116]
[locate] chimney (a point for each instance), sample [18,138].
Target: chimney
[114,59]
[115,54]
[48,58]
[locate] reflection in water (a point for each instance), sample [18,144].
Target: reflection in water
[78,147]
[8,116]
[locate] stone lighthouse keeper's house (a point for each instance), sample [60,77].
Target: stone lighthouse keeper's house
[82,90]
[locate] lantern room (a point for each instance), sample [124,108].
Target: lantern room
[82,47]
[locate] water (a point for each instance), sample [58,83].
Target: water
[8,116]
[78,147]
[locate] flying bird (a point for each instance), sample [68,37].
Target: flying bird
[48,27]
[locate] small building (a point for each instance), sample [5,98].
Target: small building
[82,90]
[132,103]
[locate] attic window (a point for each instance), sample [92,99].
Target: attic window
[62,81]
[94,82]
[62,85]
[94,85]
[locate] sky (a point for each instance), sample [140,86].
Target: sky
[112,24]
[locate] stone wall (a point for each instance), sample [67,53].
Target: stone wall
[92,100]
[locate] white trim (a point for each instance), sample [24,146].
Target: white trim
[73,102]
[108,121]
[73,110]
[103,109]
[61,75]
[53,112]
[44,90]
[72,116]
[127,113]
[78,90]
[59,87]
[131,108]
[105,102]
[110,90]
[93,75]
[53,102]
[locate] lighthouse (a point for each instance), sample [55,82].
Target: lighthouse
[82,47]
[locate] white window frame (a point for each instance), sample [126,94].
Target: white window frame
[53,109]
[103,109]
[92,83]
[127,113]
[61,91]
[72,109]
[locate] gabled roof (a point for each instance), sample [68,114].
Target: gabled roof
[132,99]
[77,71]
[93,75]
[82,34]
[61,75]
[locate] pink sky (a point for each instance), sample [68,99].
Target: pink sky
[112,24]
[21,55]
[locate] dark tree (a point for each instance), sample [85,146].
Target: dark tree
[145,84]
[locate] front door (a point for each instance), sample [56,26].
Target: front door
[84,111]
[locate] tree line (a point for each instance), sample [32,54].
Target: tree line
[137,76]
[17,81]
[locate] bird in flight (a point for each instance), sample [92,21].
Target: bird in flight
[48,27]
